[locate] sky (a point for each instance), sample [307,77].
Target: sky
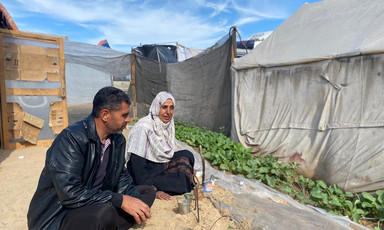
[130,23]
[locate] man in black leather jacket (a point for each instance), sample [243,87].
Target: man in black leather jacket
[84,184]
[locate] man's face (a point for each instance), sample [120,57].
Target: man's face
[166,111]
[118,119]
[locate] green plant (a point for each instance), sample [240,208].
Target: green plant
[233,157]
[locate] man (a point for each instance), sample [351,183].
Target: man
[84,184]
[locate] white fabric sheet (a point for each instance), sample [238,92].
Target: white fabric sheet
[313,93]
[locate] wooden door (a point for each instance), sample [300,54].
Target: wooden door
[32,87]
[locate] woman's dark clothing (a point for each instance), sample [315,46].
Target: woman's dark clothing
[174,177]
[104,215]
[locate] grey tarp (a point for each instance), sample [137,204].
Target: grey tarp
[89,68]
[326,115]
[106,60]
[201,85]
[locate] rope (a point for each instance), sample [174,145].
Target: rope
[231,217]
[241,41]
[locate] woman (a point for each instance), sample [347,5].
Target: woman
[152,159]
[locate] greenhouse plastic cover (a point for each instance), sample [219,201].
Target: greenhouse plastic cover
[265,208]
[326,115]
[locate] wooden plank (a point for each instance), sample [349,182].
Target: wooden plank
[34,92]
[20,145]
[234,44]
[30,36]
[3,108]
[63,86]
[133,78]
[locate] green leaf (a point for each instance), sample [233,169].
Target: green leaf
[331,190]
[286,189]
[335,201]
[311,183]
[263,170]
[356,217]
[275,165]
[247,169]
[270,181]
[275,172]
[349,204]
[368,196]
[306,201]
[334,212]
[321,183]
[380,214]
[366,205]
[300,195]
[317,193]
[325,199]
[224,167]
[251,175]
[349,194]
[380,196]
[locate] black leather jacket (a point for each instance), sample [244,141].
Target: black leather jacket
[70,169]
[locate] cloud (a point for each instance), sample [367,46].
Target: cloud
[217,7]
[75,11]
[133,22]
[194,23]
[247,20]
[158,27]
[267,9]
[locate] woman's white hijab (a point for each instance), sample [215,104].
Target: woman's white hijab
[151,138]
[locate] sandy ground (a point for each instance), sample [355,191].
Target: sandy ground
[19,174]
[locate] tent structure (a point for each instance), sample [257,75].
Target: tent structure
[167,53]
[312,92]
[201,84]
[184,53]
[244,47]
[90,67]
[104,43]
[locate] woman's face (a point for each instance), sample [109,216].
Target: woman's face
[166,111]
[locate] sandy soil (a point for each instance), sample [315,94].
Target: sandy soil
[19,174]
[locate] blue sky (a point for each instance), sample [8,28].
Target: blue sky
[130,23]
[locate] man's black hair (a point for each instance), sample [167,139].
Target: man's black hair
[109,98]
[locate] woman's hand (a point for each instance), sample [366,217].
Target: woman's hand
[163,196]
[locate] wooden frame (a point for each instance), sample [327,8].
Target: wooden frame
[4,92]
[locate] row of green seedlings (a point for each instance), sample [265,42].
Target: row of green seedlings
[233,157]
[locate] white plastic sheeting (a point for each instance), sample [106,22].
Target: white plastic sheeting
[184,53]
[322,30]
[265,208]
[327,115]
[83,83]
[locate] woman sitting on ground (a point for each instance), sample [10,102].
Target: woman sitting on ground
[151,155]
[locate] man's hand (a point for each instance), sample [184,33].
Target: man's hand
[163,196]
[136,208]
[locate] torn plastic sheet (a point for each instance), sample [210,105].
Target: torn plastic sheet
[266,208]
